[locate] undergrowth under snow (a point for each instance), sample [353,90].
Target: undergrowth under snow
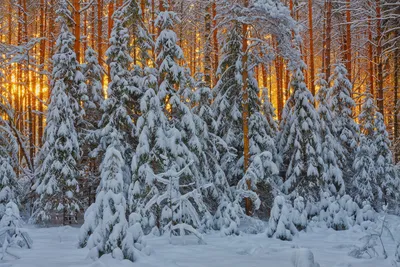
[57,247]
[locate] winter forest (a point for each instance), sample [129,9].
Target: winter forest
[200,133]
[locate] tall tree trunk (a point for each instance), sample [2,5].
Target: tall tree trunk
[207,45]
[110,26]
[51,41]
[311,35]
[328,38]
[396,104]
[246,111]
[215,41]
[348,39]
[370,58]
[380,100]
[41,69]
[77,29]
[100,33]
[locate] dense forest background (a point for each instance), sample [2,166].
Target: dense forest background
[363,34]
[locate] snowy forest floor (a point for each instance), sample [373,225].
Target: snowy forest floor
[57,247]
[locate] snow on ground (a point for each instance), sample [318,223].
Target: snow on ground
[56,247]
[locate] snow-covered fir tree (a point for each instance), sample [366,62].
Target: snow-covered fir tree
[159,196]
[56,164]
[280,224]
[268,111]
[367,117]
[227,104]
[8,181]
[166,186]
[337,216]
[365,182]
[219,196]
[12,229]
[332,151]
[302,153]
[386,178]
[93,73]
[57,174]
[143,41]
[299,214]
[228,108]
[8,159]
[346,129]
[109,210]
[364,179]
[262,177]
[66,66]
[106,229]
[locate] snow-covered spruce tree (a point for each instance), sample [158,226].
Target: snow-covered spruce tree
[367,117]
[228,108]
[364,179]
[227,105]
[109,210]
[8,158]
[56,163]
[66,66]
[11,228]
[106,229]
[268,111]
[299,214]
[302,152]
[93,73]
[263,178]
[56,183]
[166,186]
[280,224]
[140,48]
[143,42]
[386,177]
[8,181]
[346,129]
[219,197]
[117,108]
[159,197]
[337,216]
[332,151]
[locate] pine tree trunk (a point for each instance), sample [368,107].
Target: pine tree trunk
[110,26]
[51,40]
[93,28]
[41,77]
[348,40]
[246,112]
[77,19]
[396,104]
[370,58]
[207,45]
[215,41]
[380,100]
[310,25]
[328,38]
[100,33]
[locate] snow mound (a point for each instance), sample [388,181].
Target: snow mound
[303,257]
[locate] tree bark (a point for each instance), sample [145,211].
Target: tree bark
[328,39]
[245,104]
[215,41]
[348,39]
[380,100]
[77,29]
[207,45]
[311,35]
